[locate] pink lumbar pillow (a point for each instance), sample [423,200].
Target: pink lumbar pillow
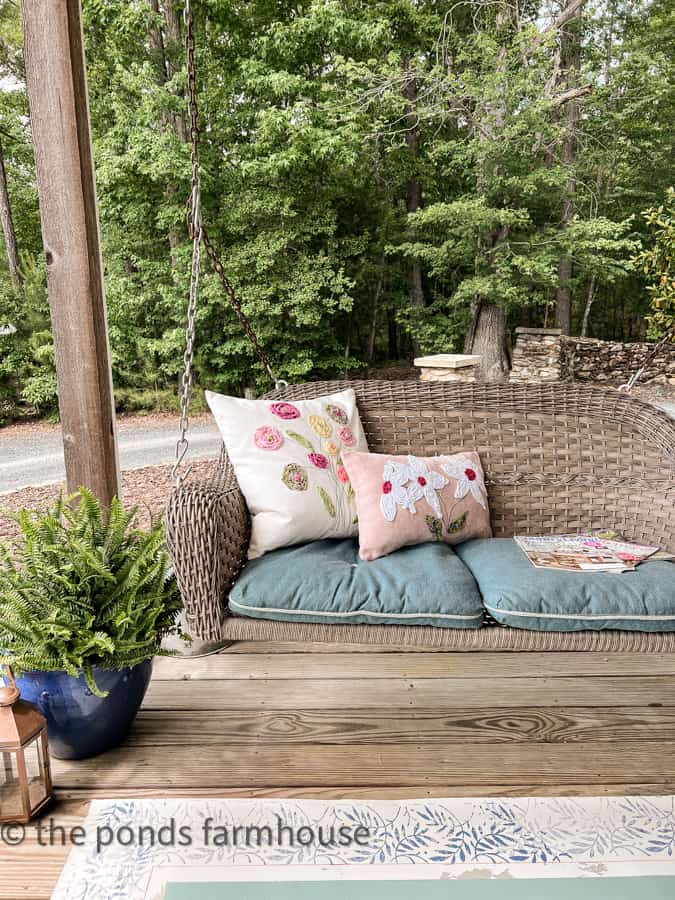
[403,500]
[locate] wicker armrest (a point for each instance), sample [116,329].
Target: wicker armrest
[207,529]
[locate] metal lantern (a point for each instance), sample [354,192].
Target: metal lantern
[25,780]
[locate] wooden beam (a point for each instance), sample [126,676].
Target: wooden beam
[59,112]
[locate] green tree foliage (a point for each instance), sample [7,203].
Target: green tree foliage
[656,263]
[377,175]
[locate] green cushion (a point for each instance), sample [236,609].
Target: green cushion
[325,581]
[518,594]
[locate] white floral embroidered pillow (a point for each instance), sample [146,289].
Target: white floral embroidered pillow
[288,461]
[402,500]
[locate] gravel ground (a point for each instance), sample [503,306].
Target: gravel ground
[148,488]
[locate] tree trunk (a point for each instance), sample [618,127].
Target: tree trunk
[165,40]
[392,335]
[374,312]
[590,297]
[413,196]
[8,228]
[563,295]
[488,340]
[570,58]
[173,43]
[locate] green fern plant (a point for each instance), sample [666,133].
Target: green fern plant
[83,587]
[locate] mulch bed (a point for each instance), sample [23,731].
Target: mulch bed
[148,488]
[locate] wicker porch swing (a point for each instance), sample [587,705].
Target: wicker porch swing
[557,458]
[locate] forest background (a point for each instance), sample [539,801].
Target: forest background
[382,178]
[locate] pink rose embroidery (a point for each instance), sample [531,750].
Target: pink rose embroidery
[347,436]
[342,474]
[267,438]
[318,460]
[337,413]
[285,411]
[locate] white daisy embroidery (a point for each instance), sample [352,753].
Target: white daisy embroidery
[468,480]
[394,493]
[424,484]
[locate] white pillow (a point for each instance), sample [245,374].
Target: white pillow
[287,459]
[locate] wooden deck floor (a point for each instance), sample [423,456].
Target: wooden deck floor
[335,721]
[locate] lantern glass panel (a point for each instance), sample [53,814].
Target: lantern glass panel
[11,795]
[35,772]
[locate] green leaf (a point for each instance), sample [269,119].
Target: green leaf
[327,502]
[81,587]
[435,526]
[299,439]
[457,524]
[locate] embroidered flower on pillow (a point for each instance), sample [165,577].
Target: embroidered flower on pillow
[318,460]
[295,477]
[395,477]
[285,411]
[320,426]
[468,480]
[424,484]
[336,413]
[288,460]
[346,435]
[268,438]
[403,500]
[326,473]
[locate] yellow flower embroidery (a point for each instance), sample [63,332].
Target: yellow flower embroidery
[331,448]
[320,426]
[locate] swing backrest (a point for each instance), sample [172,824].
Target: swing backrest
[558,457]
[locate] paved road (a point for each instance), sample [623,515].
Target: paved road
[37,458]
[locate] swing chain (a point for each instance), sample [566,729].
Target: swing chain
[198,236]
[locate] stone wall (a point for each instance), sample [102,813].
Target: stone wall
[585,359]
[537,355]
[545,355]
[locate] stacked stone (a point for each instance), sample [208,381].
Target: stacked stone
[587,359]
[448,367]
[536,355]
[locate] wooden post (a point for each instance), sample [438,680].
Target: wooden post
[59,112]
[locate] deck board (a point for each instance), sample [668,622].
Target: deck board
[336,721]
[430,693]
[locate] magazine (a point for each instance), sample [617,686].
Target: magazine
[590,552]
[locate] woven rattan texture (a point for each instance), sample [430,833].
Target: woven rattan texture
[238,628]
[558,457]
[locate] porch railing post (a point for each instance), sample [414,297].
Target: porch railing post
[59,113]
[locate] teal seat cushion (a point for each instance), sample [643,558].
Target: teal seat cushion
[325,581]
[516,593]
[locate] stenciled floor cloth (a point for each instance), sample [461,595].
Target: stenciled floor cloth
[149,849]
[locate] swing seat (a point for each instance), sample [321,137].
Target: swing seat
[557,457]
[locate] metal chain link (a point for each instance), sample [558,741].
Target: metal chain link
[217,267]
[198,235]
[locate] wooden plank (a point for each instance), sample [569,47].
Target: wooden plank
[401,692]
[433,726]
[359,766]
[409,665]
[31,870]
[57,93]
[620,788]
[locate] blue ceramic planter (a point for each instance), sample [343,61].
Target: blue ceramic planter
[79,724]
